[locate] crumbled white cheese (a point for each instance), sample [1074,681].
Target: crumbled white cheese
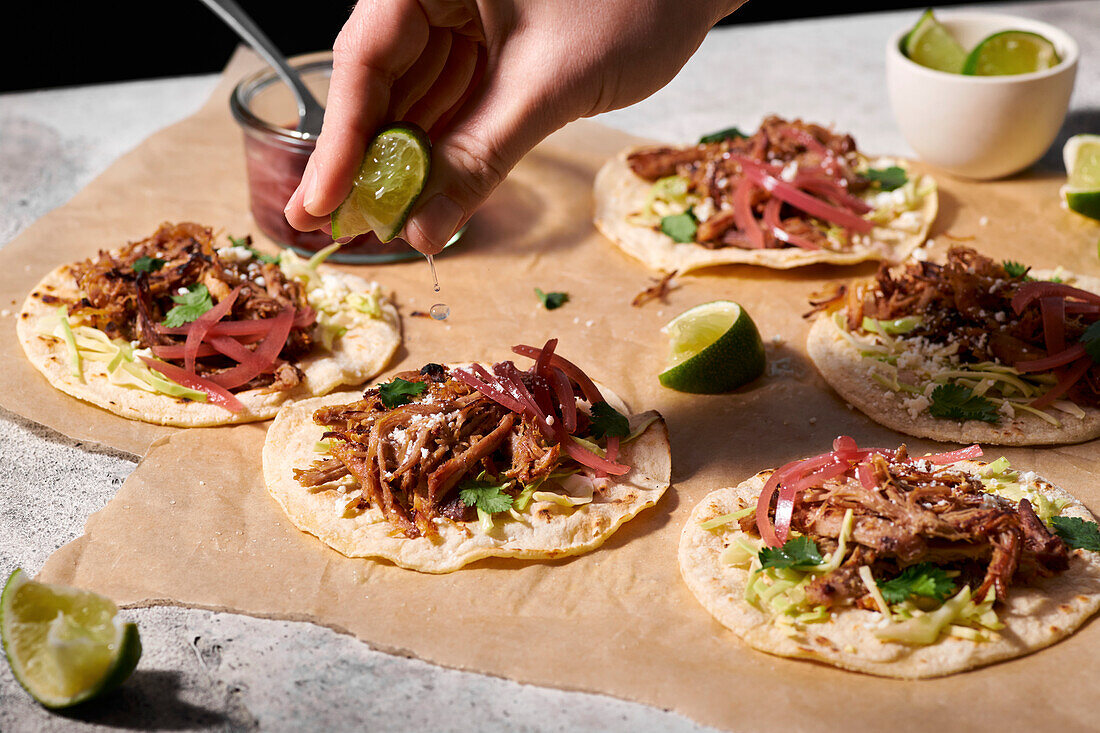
[704,209]
[235,254]
[790,171]
[909,221]
[916,405]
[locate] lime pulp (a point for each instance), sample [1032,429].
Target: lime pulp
[713,348]
[387,185]
[1011,52]
[64,645]
[1082,190]
[931,45]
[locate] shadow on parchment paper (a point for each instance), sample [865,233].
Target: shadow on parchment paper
[1077,122]
[150,700]
[542,218]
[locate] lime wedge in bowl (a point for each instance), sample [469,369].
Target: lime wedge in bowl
[1082,191]
[389,180]
[713,348]
[1011,52]
[64,645]
[931,45]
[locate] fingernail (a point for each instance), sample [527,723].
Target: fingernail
[310,192]
[438,219]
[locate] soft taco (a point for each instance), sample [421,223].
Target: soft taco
[879,562]
[174,331]
[791,194]
[445,465]
[972,350]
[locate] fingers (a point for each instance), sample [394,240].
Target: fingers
[380,42]
[422,75]
[496,127]
[452,85]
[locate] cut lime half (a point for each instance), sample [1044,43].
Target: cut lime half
[1082,190]
[1011,52]
[64,645]
[389,180]
[713,348]
[930,44]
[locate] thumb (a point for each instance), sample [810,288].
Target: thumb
[492,131]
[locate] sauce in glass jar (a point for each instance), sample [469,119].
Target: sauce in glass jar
[276,155]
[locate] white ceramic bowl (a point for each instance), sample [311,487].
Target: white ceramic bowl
[981,126]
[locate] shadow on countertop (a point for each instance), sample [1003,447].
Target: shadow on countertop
[150,700]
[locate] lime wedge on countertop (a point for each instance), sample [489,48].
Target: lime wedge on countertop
[64,645]
[1082,190]
[930,44]
[714,347]
[1011,52]
[387,185]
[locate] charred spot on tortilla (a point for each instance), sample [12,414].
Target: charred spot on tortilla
[972,572]
[209,336]
[972,349]
[792,194]
[480,461]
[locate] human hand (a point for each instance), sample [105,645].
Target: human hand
[489,80]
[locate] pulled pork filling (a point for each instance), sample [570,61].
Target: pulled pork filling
[974,302]
[411,460]
[747,213]
[917,512]
[132,303]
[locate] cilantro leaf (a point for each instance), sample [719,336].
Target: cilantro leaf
[1077,533]
[887,179]
[956,402]
[486,495]
[189,306]
[606,420]
[552,300]
[1015,269]
[726,134]
[400,391]
[796,551]
[1090,339]
[148,264]
[681,227]
[923,579]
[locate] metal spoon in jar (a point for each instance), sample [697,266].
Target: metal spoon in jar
[310,112]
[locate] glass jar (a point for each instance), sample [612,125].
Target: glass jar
[275,158]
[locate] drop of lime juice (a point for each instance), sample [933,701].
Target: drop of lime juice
[439,311]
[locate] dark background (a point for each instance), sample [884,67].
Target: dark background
[50,44]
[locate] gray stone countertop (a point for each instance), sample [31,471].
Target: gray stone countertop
[218,671]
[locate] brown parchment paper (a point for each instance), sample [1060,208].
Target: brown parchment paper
[194,525]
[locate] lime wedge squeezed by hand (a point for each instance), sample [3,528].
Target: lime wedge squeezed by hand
[1011,52]
[714,347]
[931,45]
[64,645]
[1082,191]
[387,185]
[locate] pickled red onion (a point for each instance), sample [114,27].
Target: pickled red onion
[202,324]
[963,454]
[1029,292]
[218,395]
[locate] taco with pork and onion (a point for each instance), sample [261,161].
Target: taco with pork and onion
[973,350]
[449,464]
[791,194]
[884,563]
[176,331]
